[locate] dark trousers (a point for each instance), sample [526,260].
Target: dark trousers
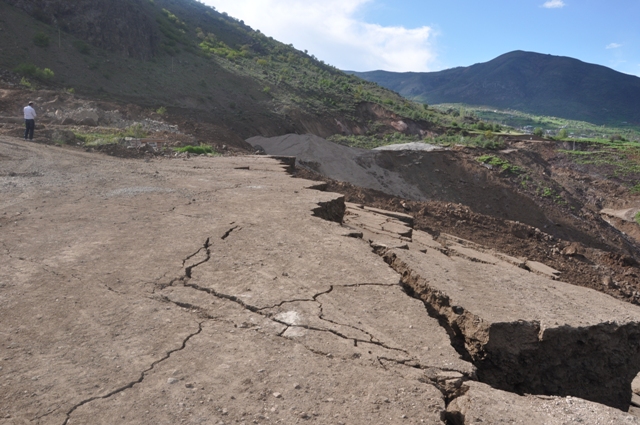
[30,125]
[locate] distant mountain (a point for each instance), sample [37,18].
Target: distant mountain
[530,82]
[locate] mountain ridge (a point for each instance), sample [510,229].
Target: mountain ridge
[530,82]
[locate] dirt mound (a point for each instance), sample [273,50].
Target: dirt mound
[525,188]
[357,166]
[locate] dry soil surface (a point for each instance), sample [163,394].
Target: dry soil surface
[217,291]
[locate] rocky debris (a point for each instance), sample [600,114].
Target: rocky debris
[483,404]
[627,214]
[542,269]
[88,117]
[414,146]
[63,136]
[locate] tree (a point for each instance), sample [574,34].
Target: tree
[538,132]
[563,134]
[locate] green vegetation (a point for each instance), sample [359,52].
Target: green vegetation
[26,83]
[107,137]
[293,79]
[615,156]
[30,70]
[376,140]
[617,161]
[161,110]
[41,40]
[197,150]
[500,163]
[566,129]
[547,192]
[637,217]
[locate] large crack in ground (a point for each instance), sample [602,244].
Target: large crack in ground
[449,382]
[595,363]
[185,281]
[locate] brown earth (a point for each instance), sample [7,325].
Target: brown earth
[491,209]
[611,272]
[218,290]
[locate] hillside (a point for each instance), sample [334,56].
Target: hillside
[197,63]
[530,82]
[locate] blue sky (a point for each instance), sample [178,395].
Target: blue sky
[431,35]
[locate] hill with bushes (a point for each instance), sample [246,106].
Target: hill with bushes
[197,62]
[529,82]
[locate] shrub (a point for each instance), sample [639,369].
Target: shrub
[26,83]
[31,70]
[41,40]
[136,131]
[197,150]
[504,165]
[538,132]
[637,217]
[45,74]
[161,110]
[82,47]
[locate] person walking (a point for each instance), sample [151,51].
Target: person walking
[29,121]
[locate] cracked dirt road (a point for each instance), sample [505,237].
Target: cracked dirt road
[205,291]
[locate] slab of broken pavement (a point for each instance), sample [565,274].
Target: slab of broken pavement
[221,290]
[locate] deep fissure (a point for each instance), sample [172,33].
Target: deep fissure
[595,363]
[566,362]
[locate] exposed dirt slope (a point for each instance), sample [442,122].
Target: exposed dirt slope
[547,210]
[220,290]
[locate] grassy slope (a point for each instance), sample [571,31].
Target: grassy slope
[517,119]
[211,66]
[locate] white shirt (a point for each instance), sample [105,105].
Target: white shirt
[29,113]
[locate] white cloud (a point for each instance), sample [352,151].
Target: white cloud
[614,46]
[554,4]
[332,31]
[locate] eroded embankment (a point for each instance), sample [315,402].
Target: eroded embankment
[596,362]
[524,332]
